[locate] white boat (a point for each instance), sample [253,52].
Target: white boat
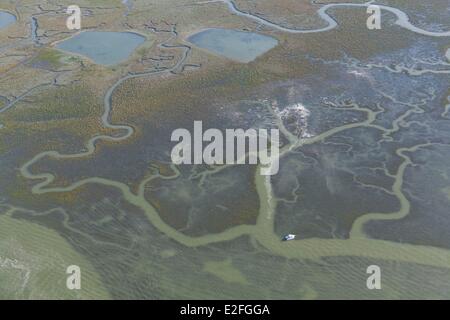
[289,237]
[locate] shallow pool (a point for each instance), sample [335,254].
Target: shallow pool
[236,45]
[6,19]
[103,47]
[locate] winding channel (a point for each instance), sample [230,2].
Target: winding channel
[402,18]
[263,231]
